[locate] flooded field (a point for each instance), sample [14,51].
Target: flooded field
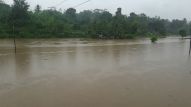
[95,73]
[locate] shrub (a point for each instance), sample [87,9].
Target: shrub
[153,37]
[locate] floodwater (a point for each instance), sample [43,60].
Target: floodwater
[95,73]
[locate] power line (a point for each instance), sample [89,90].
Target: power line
[82,3]
[60,3]
[54,7]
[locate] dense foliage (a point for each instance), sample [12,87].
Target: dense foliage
[182,33]
[95,24]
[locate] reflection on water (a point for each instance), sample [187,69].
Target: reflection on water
[95,73]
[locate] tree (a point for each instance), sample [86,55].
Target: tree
[176,25]
[71,15]
[156,25]
[37,9]
[88,23]
[182,33]
[4,16]
[99,26]
[189,28]
[19,14]
[118,12]
[118,25]
[133,15]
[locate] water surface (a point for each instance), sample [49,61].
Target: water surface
[95,73]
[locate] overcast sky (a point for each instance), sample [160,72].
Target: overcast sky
[171,9]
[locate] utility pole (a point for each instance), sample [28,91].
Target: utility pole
[14,38]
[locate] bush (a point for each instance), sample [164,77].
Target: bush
[153,37]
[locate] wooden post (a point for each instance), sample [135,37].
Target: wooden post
[14,38]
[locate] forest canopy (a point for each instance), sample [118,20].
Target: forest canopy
[96,23]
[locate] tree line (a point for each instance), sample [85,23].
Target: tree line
[17,19]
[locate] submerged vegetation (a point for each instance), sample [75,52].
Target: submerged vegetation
[153,38]
[96,23]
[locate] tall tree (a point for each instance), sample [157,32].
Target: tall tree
[118,12]
[70,14]
[4,16]
[118,24]
[37,9]
[19,13]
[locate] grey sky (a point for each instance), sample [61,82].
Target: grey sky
[171,9]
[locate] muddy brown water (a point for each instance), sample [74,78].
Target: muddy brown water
[95,73]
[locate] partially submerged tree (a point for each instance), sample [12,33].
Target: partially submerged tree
[153,37]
